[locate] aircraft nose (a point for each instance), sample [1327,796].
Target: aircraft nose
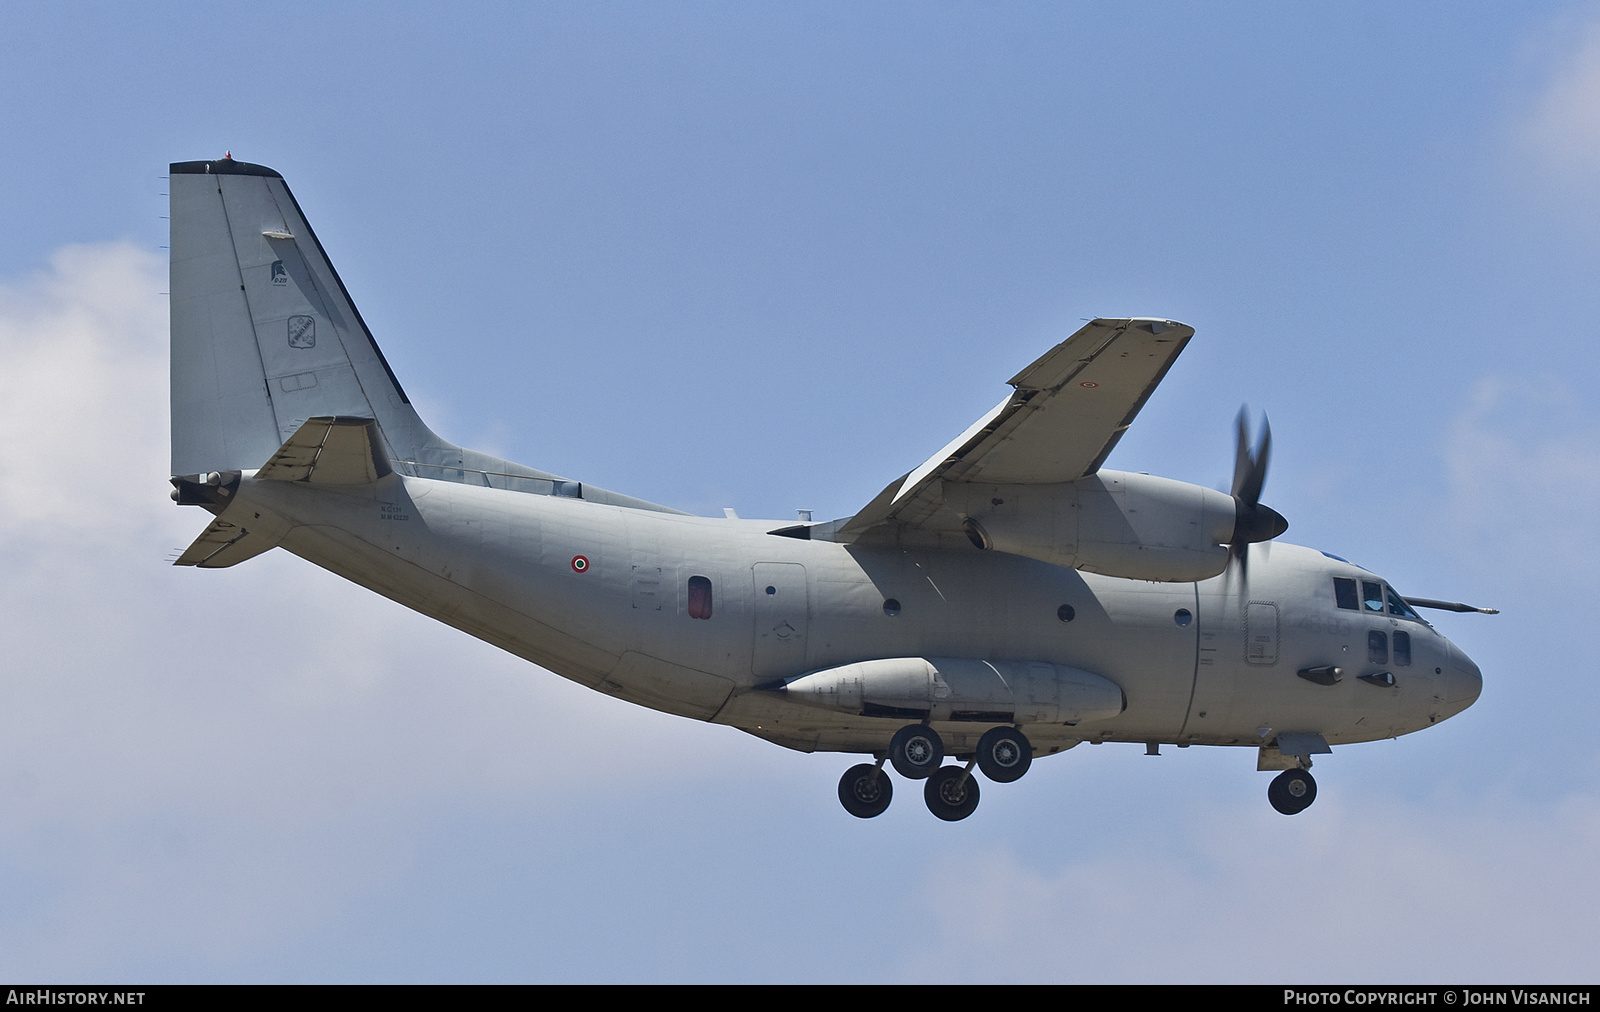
[1462,681]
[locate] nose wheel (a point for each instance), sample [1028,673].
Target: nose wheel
[1292,791]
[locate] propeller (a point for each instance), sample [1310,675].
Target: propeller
[1253,522]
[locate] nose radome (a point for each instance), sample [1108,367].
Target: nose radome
[1462,681]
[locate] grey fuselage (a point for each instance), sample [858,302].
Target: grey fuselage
[602,594]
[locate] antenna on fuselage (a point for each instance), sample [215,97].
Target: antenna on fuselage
[1423,602]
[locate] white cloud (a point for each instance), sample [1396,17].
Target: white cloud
[1386,893]
[1562,127]
[83,360]
[1524,472]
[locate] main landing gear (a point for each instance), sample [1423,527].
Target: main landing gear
[865,790]
[917,753]
[1004,754]
[1292,791]
[952,793]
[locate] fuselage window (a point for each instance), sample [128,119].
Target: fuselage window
[1372,596]
[1378,647]
[1402,649]
[699,597]
[1344,592]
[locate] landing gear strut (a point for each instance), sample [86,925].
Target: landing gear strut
[1292,791]
[865,790]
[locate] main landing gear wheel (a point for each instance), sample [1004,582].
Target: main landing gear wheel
[865,790]
[1004,754]
[1292,791]
[951,793]
[916,751]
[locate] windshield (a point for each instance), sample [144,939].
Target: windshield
[1398,606]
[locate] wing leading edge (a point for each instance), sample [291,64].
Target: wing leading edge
[1066,413]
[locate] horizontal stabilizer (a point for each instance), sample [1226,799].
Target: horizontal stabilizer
[330,450]
[226,543]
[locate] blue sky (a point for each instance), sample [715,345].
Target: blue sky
[770,257]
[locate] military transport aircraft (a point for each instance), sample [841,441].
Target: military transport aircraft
[1008,599]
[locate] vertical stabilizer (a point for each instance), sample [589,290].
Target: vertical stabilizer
[264,335]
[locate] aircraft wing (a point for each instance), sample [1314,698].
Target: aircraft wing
[1063,418]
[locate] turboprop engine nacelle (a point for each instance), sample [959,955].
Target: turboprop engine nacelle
[960,688]
[1135,526]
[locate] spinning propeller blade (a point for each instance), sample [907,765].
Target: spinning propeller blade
[1253,522]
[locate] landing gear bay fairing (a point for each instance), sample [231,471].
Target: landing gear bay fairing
[1007,600]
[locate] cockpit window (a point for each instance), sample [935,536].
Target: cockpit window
[1344,593]
[1377,647]
[1398,606]
[1372,596]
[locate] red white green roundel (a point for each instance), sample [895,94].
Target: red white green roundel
[580,564]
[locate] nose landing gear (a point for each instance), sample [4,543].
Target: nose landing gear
[1292,791]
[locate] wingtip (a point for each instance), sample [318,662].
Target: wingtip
[1156,325]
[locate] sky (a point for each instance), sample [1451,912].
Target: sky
[770,257]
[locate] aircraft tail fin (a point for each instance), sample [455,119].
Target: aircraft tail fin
[264,335]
